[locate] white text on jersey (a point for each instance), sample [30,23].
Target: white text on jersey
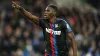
[53,32]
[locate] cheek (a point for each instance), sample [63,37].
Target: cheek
[51,14]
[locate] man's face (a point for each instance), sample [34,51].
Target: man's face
[49,12]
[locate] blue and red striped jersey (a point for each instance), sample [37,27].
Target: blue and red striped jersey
[55,36]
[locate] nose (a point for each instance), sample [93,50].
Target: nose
[45,13]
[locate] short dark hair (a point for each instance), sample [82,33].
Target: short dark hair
[54,7]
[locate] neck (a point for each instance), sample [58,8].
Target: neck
[53,19]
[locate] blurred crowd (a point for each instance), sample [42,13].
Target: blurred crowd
[21,37]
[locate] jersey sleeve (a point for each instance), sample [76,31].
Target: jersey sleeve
[67,27]
[42,22]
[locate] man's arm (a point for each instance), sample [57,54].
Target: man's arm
[25,13]
[73,42]
[70,35]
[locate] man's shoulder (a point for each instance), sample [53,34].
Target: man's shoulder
[62,20]
[44,20]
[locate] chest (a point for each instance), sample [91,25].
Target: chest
[53,28]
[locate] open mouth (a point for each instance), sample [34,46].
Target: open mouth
[45,15]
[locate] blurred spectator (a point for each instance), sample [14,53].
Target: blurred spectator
[19,52]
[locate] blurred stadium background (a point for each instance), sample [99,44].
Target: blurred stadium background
[21,37]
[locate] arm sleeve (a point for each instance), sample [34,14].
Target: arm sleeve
[42,23]
[68,28]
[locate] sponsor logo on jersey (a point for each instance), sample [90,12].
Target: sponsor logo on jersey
[53,32]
